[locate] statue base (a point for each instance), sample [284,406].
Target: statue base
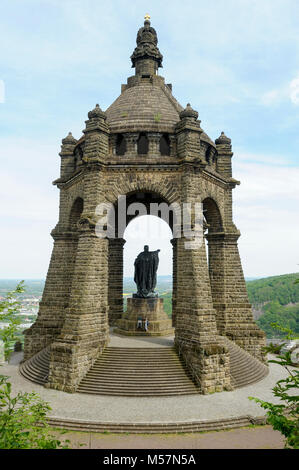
[140,311]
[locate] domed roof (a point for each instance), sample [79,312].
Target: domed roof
[145,106]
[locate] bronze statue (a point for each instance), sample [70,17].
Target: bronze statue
[146,265]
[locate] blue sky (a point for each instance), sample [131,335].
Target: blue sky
[235,61]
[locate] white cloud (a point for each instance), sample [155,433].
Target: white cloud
[270,97]
[29,206]
[274,159]
[266,212]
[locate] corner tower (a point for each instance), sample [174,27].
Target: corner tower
[148,148]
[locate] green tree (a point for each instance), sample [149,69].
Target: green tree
[284,417]
[9,309]
[23,417]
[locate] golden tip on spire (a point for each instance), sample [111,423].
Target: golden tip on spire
[147,17]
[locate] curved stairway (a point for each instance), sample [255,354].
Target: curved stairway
[145,371]
[36,368]
[244,368]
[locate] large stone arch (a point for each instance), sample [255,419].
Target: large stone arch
[127,184]
[146,195]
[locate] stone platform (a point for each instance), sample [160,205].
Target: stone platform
[192,413]
[150,309]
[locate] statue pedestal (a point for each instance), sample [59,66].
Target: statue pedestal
[138,311]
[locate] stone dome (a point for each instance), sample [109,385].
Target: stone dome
[146,106]
[146,103]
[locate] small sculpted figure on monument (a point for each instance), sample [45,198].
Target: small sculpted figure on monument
[145,277]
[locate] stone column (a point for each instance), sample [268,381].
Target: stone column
[196,337]
[174,280]
[112,144]
[67,165]
[154,144]
[131,143]
[224,155]
[230,298]
[115,282]
[172,142]
[85,330]
[55,299]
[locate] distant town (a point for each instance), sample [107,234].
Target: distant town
[273,299]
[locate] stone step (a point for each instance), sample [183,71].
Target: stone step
[244,368]
[135,372]
[160,381]
[146,371]
[131,366]
[136,394]
[123,375]
[100,383]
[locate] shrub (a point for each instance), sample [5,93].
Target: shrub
[23,417]
[284,417]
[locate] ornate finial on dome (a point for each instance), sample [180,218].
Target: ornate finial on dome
[189,112]
[223,139]
[146,49]
[97,113]
[69,139]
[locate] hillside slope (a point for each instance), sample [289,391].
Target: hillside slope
[275,299]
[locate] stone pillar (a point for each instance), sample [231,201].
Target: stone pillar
[172,142]
[174,280]
[131,143]
[230,298]
[188,132]
[112,144]
[85,330]
[67,165]
[96,132]
[55,299]
[224,157]
[196,337]
[154,144]
[115,283]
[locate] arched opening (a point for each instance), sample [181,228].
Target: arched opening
[142,144]
[215,257]
[165,145]
[212,224]
[75,213]
[212,215]
[120,145]
[148,221]
[78,155]
[154,232]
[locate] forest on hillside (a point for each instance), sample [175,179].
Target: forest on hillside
[277,298]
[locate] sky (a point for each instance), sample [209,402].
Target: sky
[235,61]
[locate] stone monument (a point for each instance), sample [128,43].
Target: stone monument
[145,314]
[145,277]
[144,146]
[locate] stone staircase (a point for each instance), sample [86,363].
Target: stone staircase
[148,372]
[36,368]
[138,372]
[244,368]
